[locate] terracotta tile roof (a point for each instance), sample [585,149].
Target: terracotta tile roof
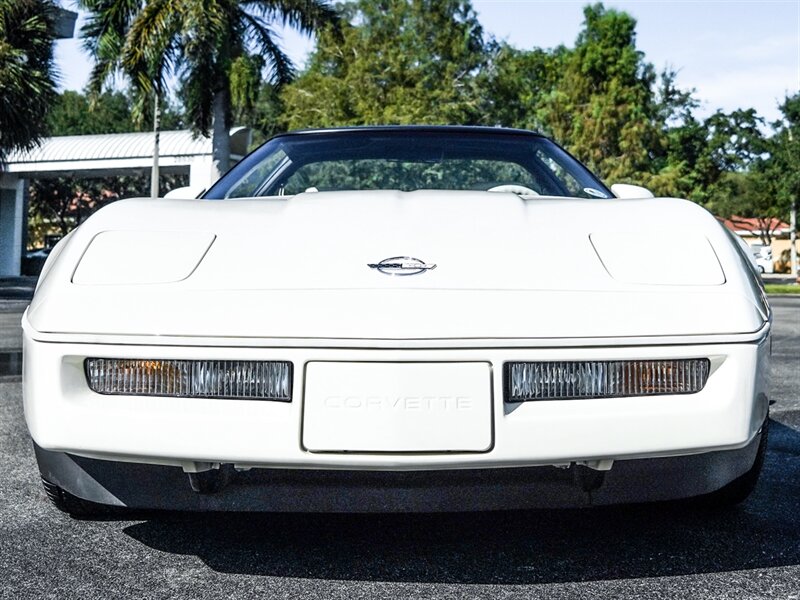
[753,226]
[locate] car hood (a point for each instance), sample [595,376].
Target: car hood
[505,266]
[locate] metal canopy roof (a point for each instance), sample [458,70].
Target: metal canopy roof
[127,150]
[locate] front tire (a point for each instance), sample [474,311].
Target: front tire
[738,490]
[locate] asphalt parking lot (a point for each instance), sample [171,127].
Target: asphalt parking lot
[656,551]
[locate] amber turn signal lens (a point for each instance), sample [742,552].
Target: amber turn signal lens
[564,380]
[238,379]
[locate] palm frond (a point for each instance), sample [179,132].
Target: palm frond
[27,72]
[104,36]
[280,66]
[307,16]
[206,40]
[151,48]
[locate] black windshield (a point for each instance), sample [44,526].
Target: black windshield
[409,159]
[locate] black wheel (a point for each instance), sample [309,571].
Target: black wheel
[74,506]
[740,488]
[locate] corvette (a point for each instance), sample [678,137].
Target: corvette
[398,319]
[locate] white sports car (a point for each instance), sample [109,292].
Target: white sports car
[398,319]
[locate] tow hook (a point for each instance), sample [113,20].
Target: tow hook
[590,474]
[206,478]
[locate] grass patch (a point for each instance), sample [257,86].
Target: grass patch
[782,288]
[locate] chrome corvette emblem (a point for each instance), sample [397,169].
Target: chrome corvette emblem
[401,265]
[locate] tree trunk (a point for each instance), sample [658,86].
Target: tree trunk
[220,139]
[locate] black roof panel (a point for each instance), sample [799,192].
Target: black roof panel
[413,129]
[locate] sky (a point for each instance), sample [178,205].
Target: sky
[734,53]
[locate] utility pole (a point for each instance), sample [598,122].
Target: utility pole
[154,177]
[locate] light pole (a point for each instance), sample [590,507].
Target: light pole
[793,236]
[154,176]
[793,224]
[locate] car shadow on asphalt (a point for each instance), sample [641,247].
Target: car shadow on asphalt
[514,547]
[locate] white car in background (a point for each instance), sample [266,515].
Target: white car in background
[371,319]
[763,258]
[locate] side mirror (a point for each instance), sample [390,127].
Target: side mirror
[625,190]
[185,193]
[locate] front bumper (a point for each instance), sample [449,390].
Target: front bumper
[64,416]
[145,486]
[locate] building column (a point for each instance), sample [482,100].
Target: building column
[12,224]
[200,172]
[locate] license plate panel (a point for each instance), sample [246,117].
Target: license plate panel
[397,407]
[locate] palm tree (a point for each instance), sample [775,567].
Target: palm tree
[27,74]
[201,42]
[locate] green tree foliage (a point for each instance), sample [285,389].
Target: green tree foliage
[27,86]
[254,101]
[763,180]
[782,166]
[207,44]
[427,61]
[519,83]
[58,205]
[404,61]
[74,113]
[700,154]
[603,106]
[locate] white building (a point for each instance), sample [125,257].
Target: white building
[88,156]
